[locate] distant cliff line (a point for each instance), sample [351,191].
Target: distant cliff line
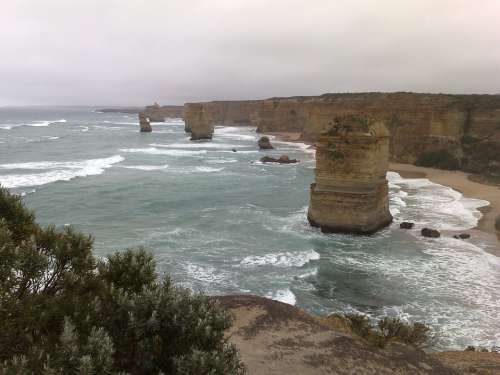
[438,130]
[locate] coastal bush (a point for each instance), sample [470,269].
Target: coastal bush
[63,311]
[441,159]
[389,329]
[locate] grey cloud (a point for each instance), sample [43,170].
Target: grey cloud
[119,52]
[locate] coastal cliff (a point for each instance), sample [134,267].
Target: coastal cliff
[350,193]
[155,112]
[435,130]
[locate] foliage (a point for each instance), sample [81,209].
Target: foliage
[62,311]
[389,329]
[441,159]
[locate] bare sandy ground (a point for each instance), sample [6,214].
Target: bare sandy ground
[279,339]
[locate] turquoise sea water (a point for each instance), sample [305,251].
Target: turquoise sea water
[221,222]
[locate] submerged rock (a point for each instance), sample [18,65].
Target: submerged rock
[406,225]
[283,159]
[145,126]
[432,233]
[351,190]
[265,144]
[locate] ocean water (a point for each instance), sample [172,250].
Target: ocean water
[221,222]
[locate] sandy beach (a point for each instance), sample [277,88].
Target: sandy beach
[460,181]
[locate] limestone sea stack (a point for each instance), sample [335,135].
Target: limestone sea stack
[145,126]
[197,123]
[350,194]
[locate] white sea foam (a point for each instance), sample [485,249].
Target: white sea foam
[55,171]
[428,203]
[220,161]
[84,128]
[32,123]
[146,167]
[156,151]
[208,169]
[283,259]
[283,295]
[243,133]
[202,145]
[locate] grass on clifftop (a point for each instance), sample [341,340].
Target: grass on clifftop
[64,311]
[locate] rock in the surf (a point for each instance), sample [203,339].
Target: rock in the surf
[351,192]
[265,144]
[497,223]
[462,236]
[432,233]
[283,159]
[406,225]
[144,124]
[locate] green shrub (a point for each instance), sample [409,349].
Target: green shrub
[389,329]
[62,311]
[441,159]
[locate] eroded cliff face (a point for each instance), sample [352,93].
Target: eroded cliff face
[423,127]
[350,193]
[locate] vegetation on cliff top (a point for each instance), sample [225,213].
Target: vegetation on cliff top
[387,330]
[63,311]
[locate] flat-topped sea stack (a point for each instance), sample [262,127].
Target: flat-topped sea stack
[145,126]
[196,119]
[350,194]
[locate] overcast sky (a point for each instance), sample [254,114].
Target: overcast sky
[126,52]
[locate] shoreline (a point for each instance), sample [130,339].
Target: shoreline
[457,180]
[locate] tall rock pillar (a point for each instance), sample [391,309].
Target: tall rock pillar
[350,194]
[144,124]
[197,122]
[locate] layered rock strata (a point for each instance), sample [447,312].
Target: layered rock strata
[444,131]
[200,126]
[350,193]
[145,126]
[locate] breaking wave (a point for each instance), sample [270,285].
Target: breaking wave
[54,171]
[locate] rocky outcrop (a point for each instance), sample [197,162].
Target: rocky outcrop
[431,233]
[425,128]
[145,126]
[350,193]
[264,143]
[406,225]
[283,159]
[200,127]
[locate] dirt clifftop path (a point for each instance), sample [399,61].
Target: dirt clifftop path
[276,338]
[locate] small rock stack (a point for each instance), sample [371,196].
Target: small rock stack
[350,194]
[145,126]
[265,144]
